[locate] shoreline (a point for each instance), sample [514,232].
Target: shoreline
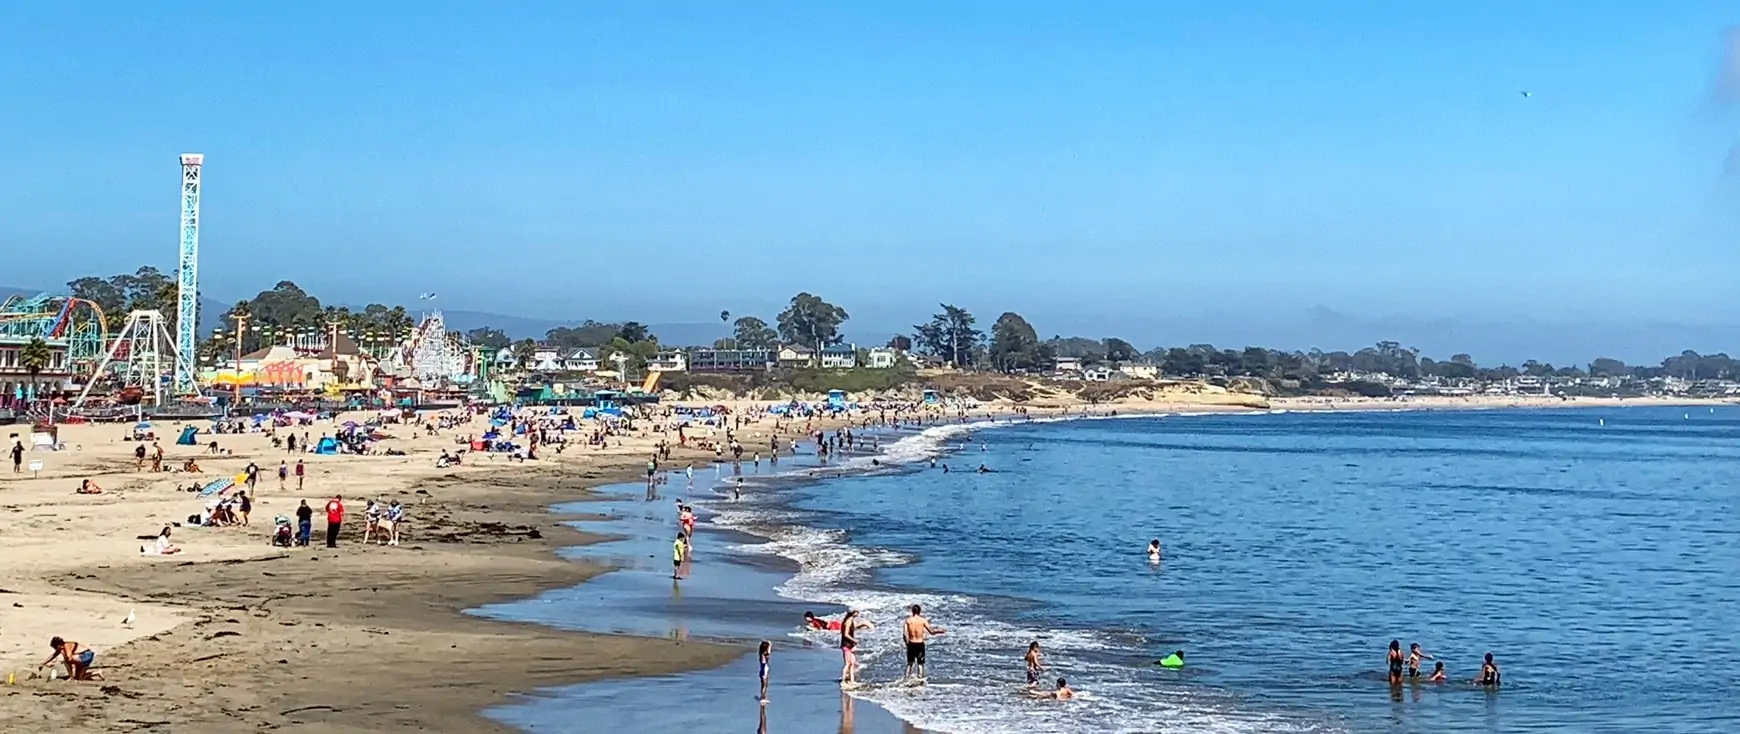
[235,635]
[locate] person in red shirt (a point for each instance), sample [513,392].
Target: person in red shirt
[817,623]
[334,518]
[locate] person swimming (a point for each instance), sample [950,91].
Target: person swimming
[1154,550]
[1062,693]
[1415,655]
[1489,674]
[1396,660]
[1438,675]
[817,623]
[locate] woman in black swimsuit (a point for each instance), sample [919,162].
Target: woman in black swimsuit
[1395,660]
[1489,675]
[849,647]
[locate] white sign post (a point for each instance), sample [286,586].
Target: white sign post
[35,466]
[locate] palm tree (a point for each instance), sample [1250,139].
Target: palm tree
[34,359]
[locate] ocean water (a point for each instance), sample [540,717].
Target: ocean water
[1597,562]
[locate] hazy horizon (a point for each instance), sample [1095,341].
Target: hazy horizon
[1256,173]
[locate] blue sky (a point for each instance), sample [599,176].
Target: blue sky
[1261,172]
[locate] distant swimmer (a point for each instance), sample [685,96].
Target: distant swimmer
[945,468]
[1415,655]
[1489,675]
[1154,551]
[817,623]
[1175,660]
[1062,693]
[1438,675]
[984,469]
[1035,664]
[1396,660]
[916,632]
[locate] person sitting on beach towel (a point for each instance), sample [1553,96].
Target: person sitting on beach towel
[190,466]
[78,661]
[161,546]
[88,487]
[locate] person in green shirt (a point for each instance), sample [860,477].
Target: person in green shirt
[679,548]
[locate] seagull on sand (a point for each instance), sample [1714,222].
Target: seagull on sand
[128,621]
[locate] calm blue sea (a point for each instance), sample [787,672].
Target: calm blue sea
[1597,562]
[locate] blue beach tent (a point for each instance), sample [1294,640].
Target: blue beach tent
[187,437]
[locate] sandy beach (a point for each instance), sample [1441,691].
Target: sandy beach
[234,634]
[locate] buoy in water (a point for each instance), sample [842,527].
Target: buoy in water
[1175,660]
[1604,421]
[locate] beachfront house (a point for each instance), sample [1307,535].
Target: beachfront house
[839,356]
[506,359]
[1138,371]
[670,360]
[793,355]
[1067,365]
[547,358]
[882,358]
[732,360]
[581,360]
[1097,374]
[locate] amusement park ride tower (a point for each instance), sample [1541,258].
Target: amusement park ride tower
[187,275]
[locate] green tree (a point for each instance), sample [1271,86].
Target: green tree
[485,336]
[634,332]
[1015,345]
[811,321]
[950,336]
[34,358]
[753,333]
[104,292]
[1118,350]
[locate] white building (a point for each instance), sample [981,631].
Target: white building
[882,358]
[668,361]
[581,360]
[839,357]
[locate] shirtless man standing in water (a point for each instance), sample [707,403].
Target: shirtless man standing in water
[917,631]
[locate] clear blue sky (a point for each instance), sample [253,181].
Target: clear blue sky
[1253,172]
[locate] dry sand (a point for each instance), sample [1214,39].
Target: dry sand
[234,634]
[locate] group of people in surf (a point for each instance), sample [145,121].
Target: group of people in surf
[1407,667]
[915,634]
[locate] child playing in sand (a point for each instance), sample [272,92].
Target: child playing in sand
[78,662]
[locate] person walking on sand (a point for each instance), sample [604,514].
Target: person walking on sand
[304,523]
[18,456]
[283,474]
[764,653]
[916,633]
[246,505]
[300,471]
[253,472]
[334,518]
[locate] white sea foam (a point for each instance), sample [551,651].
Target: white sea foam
[976,676]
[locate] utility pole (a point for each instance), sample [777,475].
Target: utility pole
[241,325]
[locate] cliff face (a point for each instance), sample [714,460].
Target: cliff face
[987,388]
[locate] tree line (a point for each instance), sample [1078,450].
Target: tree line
[951,336]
